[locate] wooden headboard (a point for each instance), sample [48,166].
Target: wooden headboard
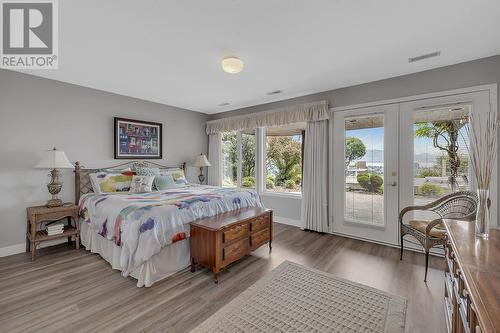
[82,178]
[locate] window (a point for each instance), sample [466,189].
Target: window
[229,159]
[441,158]
[238,159]
[248,151]
[364,169]
[284,154]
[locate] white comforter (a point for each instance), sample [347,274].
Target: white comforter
[144,223]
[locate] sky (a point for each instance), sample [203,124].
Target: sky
[373,138]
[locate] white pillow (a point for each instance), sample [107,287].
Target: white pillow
[108,182]
[141,184]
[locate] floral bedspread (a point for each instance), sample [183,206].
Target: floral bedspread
[144,223]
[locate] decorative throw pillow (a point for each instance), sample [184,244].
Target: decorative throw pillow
[141,184]
[147,171]
[178,177]
[109,182]
[164,182]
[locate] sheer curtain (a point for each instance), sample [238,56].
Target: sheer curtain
[214,157]
[315,177]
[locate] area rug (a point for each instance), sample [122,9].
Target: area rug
[294,298]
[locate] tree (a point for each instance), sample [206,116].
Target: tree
[354,149]
[230,149]
[444,135]
[247,155]
[284,153]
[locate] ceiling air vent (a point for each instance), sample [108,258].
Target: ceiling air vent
[274,92]
[425,56]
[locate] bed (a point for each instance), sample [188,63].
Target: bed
[146,235]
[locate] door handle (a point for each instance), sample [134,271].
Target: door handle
[394,184]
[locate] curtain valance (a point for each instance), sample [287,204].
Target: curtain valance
[288,115]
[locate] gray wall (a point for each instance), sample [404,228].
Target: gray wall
[473,73]
[37,114]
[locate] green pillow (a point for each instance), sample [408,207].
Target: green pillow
[164,182]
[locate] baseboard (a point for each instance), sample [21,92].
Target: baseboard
[13,249]
[20,248]
[288,221]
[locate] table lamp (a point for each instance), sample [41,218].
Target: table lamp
[53,160]
[201,161]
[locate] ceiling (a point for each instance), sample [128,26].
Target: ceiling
[170,51]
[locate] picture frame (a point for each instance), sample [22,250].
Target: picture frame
[137,139]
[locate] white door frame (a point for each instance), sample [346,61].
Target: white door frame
[491,89]
[386,233]
[480,105]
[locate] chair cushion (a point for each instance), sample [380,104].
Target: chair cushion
[438,231]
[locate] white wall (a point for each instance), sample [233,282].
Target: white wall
[37,114]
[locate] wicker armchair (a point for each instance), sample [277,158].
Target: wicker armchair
[458,205]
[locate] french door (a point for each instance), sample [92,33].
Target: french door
[391,156]
[365,179]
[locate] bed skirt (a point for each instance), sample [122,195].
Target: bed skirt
[168,261]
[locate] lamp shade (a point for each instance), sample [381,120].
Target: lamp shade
[54,159]
[201,161]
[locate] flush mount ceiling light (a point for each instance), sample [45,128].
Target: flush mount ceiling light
[232,65]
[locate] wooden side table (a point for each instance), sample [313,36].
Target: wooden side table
[39,214]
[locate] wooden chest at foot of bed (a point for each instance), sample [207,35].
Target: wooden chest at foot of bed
[222,239]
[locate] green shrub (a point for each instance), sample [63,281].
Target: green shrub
[370,181]
[290,184]
[269,183]
[298,179]
[248,181]
[427,172]
[430,190]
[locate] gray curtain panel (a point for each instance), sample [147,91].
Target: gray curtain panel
[315,177]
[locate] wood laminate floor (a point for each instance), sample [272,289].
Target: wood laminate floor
[75,291]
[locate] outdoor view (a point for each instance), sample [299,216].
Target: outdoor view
[230,159]
[284,163]
[364,172]
[283,159]
[440,161]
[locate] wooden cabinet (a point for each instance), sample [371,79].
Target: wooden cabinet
[472,280]
[220,240]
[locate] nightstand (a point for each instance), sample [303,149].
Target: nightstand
[39,214]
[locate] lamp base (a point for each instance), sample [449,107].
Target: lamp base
[201,178]
[56,202]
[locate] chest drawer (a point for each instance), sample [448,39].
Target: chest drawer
[259,238]
[260,223]
[235,251]
[234,233]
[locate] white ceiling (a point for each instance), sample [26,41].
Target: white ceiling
[170,51]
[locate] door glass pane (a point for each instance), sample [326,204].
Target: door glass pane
[229,159]
[248,159]
[364,169]
[441,159]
